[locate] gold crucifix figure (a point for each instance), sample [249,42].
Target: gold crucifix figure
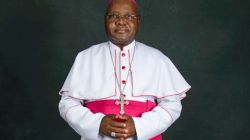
[122,102]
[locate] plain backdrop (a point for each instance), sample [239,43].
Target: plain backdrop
[208,41]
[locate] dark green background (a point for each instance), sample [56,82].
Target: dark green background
[208,40]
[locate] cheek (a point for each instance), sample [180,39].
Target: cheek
[133,28]
[109,27]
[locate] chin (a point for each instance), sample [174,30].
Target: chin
[120,39]
[120,42]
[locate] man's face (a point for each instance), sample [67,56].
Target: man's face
[121,22]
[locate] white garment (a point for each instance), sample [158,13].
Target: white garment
[153,77]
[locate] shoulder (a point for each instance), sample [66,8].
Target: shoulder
[151,52]
[93,50]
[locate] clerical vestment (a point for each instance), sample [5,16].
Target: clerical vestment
[104,71]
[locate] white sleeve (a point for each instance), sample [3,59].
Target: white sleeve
[155,122]
[80,118]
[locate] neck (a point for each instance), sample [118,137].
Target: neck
[122,45]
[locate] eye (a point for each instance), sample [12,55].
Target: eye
[113,16]
[130,17]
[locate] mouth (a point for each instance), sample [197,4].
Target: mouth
[121,30]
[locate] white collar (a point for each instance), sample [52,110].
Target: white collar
[125,48]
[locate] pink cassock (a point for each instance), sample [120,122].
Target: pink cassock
[134,109]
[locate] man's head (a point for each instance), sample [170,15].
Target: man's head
[122,21]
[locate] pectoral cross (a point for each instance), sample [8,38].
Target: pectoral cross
[122,102]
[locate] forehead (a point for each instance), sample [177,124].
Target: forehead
[122,7]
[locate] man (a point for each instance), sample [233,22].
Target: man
[122,89]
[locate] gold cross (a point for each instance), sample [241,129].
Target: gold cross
[122,102]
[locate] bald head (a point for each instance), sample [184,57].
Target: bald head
[133,2]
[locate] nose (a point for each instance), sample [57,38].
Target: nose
[121,21]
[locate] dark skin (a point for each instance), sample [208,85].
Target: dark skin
[121,32]
[123,130]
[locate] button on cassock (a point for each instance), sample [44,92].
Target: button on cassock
[123,82]
[123,67]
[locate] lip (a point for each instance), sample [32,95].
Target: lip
[121,30]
